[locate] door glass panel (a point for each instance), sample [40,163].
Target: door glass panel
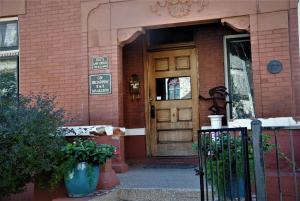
[173,88]
[240,78]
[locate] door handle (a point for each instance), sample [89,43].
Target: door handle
[152,111]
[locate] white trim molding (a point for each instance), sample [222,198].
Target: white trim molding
[86,130]
[266,122]
[135,132]
[8,19]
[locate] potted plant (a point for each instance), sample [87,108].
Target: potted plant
[218,107]
[80,166]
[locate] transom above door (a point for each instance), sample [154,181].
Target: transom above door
[173,102]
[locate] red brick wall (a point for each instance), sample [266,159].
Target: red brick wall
[50,54]
[135,147]
[275,89]
[134,110]
[294,46]
[108,109]
[209,43]
[273,92]
[133,63]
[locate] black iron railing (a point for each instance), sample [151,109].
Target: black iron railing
[261,164]
[278,168]
[224,164]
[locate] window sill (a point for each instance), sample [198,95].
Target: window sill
[266,122]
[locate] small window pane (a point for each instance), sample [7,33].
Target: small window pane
[8,35]
[240,78]
[174,88]
[10,38]
[8,75]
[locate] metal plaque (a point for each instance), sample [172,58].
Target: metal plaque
[100,84]
[100,62]
[274,66]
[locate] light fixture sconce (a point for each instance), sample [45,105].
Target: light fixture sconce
[134,86]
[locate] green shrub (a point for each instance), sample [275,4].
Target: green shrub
[30,142]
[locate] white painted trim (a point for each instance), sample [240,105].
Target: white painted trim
[85,130]
[135,132]
[282,122]
[8,19]
[226,66]
[9,53]
[266,122]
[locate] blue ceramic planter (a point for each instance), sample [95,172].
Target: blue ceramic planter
[78,183]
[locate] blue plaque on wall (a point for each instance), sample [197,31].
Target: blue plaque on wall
[274,66]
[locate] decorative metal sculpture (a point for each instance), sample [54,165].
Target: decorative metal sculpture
[218,96]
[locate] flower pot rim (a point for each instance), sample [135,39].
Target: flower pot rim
[215,115]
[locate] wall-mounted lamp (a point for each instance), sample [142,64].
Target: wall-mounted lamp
[134,86]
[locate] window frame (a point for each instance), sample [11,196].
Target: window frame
[14,53]
[226,70]
[6,21]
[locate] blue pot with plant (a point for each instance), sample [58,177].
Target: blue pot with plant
[82,179]
[82,159]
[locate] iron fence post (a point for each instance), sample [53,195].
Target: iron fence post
[258,160]
[200,171]
[246,164]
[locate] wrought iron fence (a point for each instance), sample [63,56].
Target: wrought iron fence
[261,164]
[224,164]
[277,170]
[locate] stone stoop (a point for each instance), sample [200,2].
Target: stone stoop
[148,194]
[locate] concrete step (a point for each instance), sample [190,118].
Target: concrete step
[158,195]
[148,194]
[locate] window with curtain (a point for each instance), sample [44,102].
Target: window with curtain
[9,56]
[239,77]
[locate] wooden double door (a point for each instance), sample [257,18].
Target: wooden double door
[173,102]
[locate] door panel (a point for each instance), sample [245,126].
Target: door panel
[175,136]
[161,64]
[177,125]
[173,91]
[182,62]
[185,114]
[175,149]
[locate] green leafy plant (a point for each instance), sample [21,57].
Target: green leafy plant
[30,141]
[81,150]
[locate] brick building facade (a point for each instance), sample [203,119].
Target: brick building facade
[59,38]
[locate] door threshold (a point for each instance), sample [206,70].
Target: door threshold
[164,161]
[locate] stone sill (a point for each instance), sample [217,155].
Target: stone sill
[285,122]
